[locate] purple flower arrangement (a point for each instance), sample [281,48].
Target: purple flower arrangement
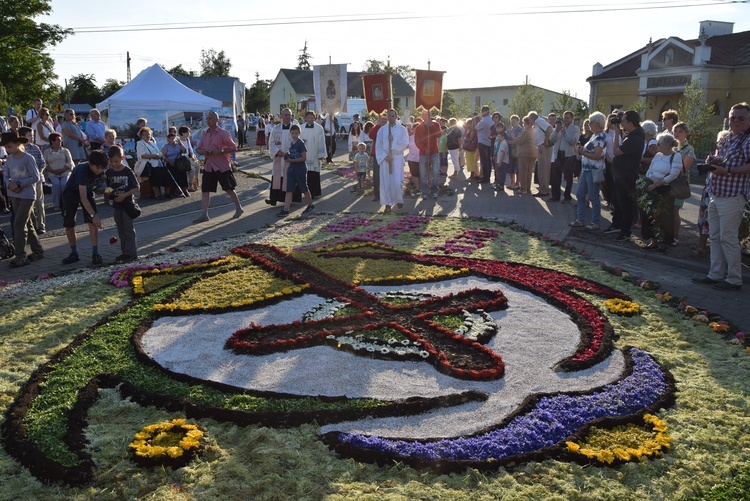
[545,423]
[467,242]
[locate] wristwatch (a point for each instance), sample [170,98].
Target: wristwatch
[92,216]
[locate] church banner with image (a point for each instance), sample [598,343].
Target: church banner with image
[377,89]
[429,93]
[329,82]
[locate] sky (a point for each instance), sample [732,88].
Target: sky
[478,43]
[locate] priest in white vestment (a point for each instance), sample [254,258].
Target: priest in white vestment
[313,135]
[278,145]
[392,140]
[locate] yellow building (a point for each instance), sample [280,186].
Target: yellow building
[656,74]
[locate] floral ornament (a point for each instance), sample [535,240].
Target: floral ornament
[622,443]
[380,235]
[467,242]
[171,443]
[622,307]
[721,326]
[540,428]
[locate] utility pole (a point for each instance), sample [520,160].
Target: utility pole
[128,61]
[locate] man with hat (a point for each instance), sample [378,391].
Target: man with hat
[20,176]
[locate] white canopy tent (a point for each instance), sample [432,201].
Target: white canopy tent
[156,90]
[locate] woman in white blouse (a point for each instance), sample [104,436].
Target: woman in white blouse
[42,129]
[59,163]
[665,166]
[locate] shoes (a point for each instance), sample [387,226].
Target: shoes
[704,280]
[567,199]
[387,209]
[434,195]
[35,256]
[726,286]
[577,224]
[238,213]
[271,203]
[41,231]
[72,258]
[675,243]
[622,238]
[308,209]
[157,197]
[192,190]
[202,219]
[96,259]
[18,262]
[122,258]
[376,199]
[283,212]
[539,194]
[552,199]
[592,226]
[653,244]
[612,229]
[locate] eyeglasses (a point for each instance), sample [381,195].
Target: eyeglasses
[740,118]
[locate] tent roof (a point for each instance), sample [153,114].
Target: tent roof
[155,89]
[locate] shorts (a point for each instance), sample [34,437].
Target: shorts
[69,208]
[361,176]
[413,168]
[211,179]
[296,175]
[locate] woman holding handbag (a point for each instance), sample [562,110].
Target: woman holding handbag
[149,163]
[665,166]
[592,172]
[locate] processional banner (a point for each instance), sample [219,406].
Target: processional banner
[377,89]
[429,93]
[329,83]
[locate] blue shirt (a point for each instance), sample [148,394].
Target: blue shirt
[83,176]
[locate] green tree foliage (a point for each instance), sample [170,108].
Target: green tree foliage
[526,99]
[696,113]
[457,109]
[26,72]
[377,66]
[178,71]
[214,64]
[638,106]
[258,96]
[303,62]
[110,87]
[83,89]
[564,102]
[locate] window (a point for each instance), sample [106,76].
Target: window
[505,102]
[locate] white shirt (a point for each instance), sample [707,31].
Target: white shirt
[540,131]
[662,170]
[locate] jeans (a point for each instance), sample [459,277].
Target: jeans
[587,186]
[58,185]
[432,170]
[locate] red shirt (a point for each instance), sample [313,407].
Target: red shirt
[427,140]
[214,141]
[374,135]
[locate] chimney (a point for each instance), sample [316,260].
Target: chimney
[710,29]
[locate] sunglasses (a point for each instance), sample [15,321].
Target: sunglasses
[738,119]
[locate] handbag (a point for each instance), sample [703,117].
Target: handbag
[679,188]
[597,175]
[132,209]
[182,163]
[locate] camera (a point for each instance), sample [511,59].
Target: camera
[558,121]
[616,118]
[705,168]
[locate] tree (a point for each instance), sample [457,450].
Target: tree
[83,89]
[110,87]
[526,99]
[377,66]
[303,62]
[214,64]
[696,113]
[258,96]
[563,102]
[26,72]
[178,71]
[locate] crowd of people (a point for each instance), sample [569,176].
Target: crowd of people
[617,158]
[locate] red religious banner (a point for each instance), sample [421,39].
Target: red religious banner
[377,90]
[429,89]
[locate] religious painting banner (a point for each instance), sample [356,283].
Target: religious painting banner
[377,89]
[429,92]
[329,83]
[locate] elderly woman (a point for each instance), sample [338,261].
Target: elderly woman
[149,155]
[592,172]
[526,153]
[681,131]
[171,150]
[665,166]
[73,138]
[59,164]
[194,174]
[649,147]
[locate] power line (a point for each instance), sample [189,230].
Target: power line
[578,9]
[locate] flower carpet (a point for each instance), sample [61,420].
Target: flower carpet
[460,358]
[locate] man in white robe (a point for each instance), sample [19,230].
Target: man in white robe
[315,141]
[392,140]
[278,145]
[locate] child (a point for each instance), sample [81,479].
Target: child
[361,163]
[124,185]
[79,190]
[39,216]
[502,160]
[296,172]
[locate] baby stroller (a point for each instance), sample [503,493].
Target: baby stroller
[6,248]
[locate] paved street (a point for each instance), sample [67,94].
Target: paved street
[168,224]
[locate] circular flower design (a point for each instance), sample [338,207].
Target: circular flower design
[172,443]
